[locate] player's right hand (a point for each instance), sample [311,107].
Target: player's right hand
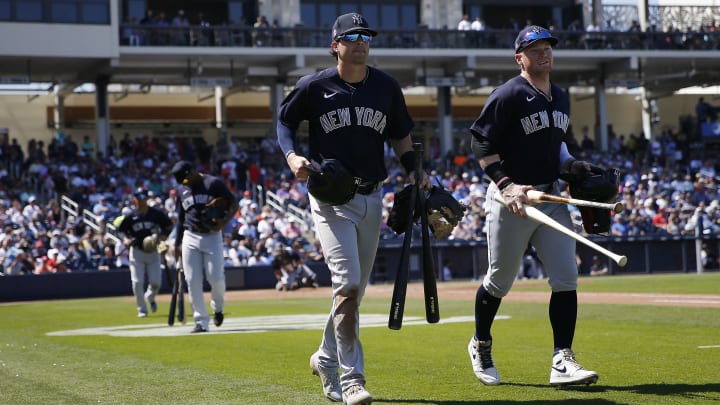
[515,197]
[301,167]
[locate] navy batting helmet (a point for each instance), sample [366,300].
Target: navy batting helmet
[181,170]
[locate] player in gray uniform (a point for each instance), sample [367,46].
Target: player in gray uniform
[518,140]
[199,242]
[352,110]
[142,222]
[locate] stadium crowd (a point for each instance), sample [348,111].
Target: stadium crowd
[664,192]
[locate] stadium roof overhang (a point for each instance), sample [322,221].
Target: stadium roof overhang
[660,72]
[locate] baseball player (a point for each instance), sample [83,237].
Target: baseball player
[518,140]
[199,244]
[352,110]
[145,226]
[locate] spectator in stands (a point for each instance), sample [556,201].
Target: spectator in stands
[446,271]
[77,259]
[619,225]
[464,24]
[598,267]
[258,259]
[107,261]
[478,24]
[18,263]
[32,208]
[87,147]
[41,266]
[260,36]
[181,35]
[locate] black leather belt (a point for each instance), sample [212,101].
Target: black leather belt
[197,230]
[368,187]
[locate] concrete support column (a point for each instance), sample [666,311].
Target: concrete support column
[601,121]
[642,6]
[220,108]
[646,114]
[102,114]
[444,119]
[59,113]
[441,14]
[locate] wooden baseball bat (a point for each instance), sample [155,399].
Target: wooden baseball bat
[539,196]
[397,304]
[539,216]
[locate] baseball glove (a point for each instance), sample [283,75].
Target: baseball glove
[400,211]
[333,184]
[150,243]
[213,214]
[444,212]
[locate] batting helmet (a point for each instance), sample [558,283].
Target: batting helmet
[181,170]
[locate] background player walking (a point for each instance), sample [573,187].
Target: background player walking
[204,206]
[145,226]
[352,110]
[518,139]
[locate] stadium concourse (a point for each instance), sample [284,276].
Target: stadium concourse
[664,192]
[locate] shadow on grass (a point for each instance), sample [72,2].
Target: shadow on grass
[689,391]
[493,401]
[695,392]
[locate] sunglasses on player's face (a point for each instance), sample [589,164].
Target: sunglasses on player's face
[355,38]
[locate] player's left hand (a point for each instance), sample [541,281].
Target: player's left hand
[424,180]
[515,198]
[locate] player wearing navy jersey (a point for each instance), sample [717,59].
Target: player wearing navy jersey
[352,110]
[518,140]
[143,222]
[198,241]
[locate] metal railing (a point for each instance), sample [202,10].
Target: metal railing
[292,212]
[96,222]
[298,37]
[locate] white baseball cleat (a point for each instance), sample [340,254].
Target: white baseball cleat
[566,371]
[481,358]
[328,377]
[356,395]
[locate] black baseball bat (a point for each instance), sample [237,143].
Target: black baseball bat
[432,313]
[172,282]
[173,302]
[397,305]
[181,296]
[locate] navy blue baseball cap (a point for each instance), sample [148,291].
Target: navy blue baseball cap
[351,23]
[531,34]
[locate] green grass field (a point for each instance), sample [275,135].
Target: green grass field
[644,354]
